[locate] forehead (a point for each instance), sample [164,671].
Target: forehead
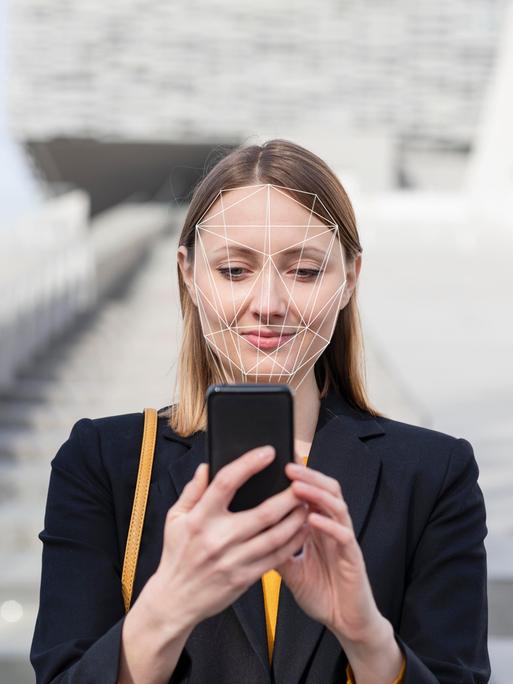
[265,218]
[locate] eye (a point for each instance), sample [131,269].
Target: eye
[238,272]
[231,272]
[307,273]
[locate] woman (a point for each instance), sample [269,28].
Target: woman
[377,543]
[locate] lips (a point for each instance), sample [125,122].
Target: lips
[266,339]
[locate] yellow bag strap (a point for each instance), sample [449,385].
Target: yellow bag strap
[139,505]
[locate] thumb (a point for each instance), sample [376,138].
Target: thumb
[292,571]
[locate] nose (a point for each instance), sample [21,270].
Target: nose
[269,298]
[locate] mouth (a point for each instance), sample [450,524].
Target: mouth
[267,340]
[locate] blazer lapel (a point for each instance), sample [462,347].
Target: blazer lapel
[339,450]
[182,467]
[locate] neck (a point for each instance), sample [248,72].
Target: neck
[306,409]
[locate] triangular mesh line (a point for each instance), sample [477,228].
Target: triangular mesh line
[214,301]
[238,337]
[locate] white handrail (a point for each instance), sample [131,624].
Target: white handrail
[46,275]
[56,264]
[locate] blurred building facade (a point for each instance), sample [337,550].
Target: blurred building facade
[212,72]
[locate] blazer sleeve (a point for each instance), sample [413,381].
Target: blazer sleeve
[398,680]
[77,634]
[443,629]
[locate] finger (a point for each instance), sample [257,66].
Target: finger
[340,533]
[280,555]
[312,476]
[272,539]
[247,524]
[331,505]
[232,476]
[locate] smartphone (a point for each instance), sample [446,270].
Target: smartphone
[244,416]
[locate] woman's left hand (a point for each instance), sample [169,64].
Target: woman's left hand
[328,579]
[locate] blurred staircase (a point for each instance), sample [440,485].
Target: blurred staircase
[118,359]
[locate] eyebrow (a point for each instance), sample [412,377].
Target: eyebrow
[291,251]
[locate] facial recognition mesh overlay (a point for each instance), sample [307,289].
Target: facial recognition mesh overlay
[269,276]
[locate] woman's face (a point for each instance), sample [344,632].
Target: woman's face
[269,279]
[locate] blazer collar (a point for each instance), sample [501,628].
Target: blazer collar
[339,449]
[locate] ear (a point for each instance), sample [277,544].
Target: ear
[187,271]
[352,274]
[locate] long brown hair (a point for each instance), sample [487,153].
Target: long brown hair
[341,366]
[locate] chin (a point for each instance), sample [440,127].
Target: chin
[264,375]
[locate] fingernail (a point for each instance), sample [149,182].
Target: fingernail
[266,452]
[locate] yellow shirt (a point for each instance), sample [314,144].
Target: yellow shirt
[271,581]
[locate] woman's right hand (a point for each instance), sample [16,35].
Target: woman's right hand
[210,555]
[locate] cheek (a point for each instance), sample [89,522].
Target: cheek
[221,298]
[319,304]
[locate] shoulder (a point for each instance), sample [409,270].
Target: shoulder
[115,432]
[423,439]
[395,441]
[430,454]
[107,446]
[410,435]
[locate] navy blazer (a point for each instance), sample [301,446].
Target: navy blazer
[418,514]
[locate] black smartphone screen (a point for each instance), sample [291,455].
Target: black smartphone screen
[242,417]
